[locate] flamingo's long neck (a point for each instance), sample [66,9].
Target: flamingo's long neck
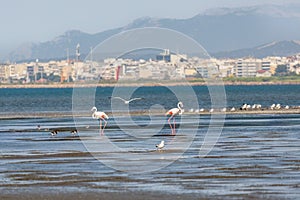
[94,111]
[179,107]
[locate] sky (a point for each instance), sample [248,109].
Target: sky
[42,20]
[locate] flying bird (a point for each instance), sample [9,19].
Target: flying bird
[160,145]
[173,112]
[101,116]
[126,101]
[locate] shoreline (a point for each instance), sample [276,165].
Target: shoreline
[146,84]
[9,116]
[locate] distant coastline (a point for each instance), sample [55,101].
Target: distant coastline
[131,84]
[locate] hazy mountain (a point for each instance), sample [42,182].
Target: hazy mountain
[58,47]
[217,30]
[289,11]
[281,48]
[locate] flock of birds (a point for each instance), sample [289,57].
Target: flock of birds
[103,117]
[245,106]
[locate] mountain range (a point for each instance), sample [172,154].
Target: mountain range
[280,48]
[223,32]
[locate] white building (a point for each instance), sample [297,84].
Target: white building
[247,67]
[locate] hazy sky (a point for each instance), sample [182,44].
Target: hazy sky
[42,20]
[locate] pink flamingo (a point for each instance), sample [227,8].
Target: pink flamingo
[173,112]
[101,116]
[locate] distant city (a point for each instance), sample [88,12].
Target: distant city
[166,66]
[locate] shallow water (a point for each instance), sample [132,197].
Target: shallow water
[254,155]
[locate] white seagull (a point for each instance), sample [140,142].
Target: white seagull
[272,106]
[287,107]
[191,110]
[278,106]
[127,101]
[160,145]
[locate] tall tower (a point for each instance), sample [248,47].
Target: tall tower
[77,52]
[36,69]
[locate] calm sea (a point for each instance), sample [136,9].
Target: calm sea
[60,99]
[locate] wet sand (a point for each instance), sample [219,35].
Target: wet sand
[100,195]
[45,193]
[256,157]
[126,195]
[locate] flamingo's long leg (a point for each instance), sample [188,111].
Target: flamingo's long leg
[174,132]
[105,122]
[169,120]
[100,125]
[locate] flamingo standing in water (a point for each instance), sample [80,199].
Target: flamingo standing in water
[173,112]
[101,116]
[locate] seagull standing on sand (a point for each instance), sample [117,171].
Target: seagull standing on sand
[101,116]
[244,106]
[173,112]
[272,106]
[160,145]
[127,101]
[191,110]
[286,107]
